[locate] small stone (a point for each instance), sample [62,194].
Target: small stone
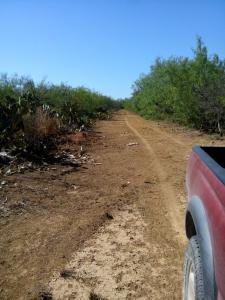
[109,216]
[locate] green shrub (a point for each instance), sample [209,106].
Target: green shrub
[29,111]
[187,91]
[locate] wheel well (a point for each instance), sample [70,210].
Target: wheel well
[189,225]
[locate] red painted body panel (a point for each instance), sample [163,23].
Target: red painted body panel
[203,183]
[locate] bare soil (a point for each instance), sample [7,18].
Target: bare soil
[112,229]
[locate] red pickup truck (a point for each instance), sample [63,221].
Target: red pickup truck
[204,263]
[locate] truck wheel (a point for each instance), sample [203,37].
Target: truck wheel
[193,287]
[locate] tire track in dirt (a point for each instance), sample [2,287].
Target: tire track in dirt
[168,136]
[137,255]
[165,187]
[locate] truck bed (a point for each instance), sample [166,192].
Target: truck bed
[214,158]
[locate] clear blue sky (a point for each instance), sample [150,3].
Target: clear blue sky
[103,44]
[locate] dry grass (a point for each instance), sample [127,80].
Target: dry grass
[44,124]
[40,126]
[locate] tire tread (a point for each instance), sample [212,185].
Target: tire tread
[193,255]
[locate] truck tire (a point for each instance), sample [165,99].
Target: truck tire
[193,285]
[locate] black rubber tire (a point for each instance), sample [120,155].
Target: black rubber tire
[193,257]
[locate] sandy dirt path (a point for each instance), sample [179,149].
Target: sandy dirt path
[119,234]
[139,254]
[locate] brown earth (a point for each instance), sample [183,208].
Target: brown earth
[114,229]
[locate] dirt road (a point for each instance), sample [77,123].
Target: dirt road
[114,229]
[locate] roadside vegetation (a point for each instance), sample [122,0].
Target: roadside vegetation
[33,115]
[189,91]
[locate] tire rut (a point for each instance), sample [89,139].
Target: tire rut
[165,188]
[138,254]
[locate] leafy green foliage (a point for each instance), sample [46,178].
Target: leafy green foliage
[21,100]
[187,91]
